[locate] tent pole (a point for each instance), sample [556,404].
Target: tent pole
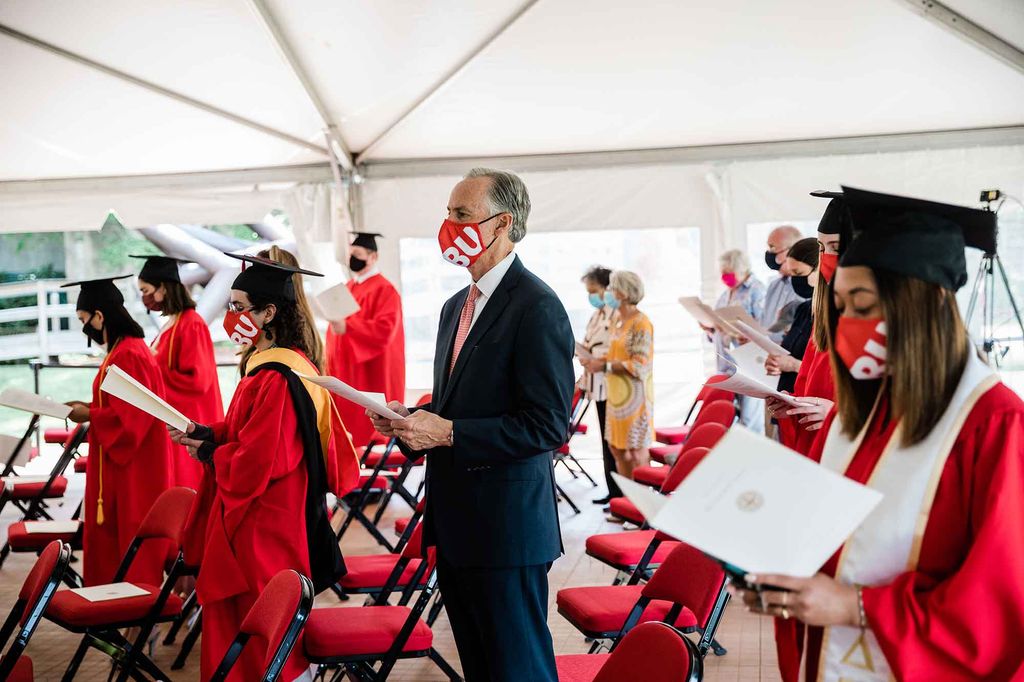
[339,148]
[956,23]
[160,90]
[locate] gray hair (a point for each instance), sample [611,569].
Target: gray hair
[628,284]
[507,194]
[734,261]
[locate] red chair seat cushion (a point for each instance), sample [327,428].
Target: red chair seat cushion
[604,608]
[660,453]
[25,491]
[652,476]
[22,670]
[378,439]
[671,435]
[81,463]
[23,541]
[365,572]
[581,429]
[59,436]
[579,667]
[394,460]
[626,549]
[401,525]
[623,508]
[338,632]
[69,609]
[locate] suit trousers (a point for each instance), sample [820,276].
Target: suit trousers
[499,620]
[606,452]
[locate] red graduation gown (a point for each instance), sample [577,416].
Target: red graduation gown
[958,615]
[370,355]
[184,353]
[814,379]
[130,465]
[251,513]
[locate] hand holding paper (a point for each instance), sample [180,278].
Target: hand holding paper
[749,377]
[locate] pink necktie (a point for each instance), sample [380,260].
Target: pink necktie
[465,322]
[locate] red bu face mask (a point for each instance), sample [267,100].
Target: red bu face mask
[241,329]
[461,243]
[861,345]
[827,264]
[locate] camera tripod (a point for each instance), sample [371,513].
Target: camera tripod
[995,348]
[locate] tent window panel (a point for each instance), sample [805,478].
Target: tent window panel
[668,260]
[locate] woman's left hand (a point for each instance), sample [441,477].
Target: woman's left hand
[811,412]
[777,364]
[79,412]
[819,600]
[595,365]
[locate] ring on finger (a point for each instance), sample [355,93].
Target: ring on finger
[785,613]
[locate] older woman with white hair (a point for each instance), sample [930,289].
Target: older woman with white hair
[742,289]
[628,374]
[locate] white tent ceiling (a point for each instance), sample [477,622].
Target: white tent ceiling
[113,88]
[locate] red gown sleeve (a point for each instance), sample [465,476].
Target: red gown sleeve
[968,625]
[371,330]
[192,361]
[120,427]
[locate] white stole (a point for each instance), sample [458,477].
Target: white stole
[888,543]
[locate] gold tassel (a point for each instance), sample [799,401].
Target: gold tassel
[99,512]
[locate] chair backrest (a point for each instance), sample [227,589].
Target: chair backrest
[414,548]
[716,394]
[67,454]
[690,578]
[424,399]
[35,595]
[717,412]
[688,459]
[652,652]
[276,618]
[166,518]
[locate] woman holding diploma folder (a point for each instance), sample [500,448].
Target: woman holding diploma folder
[929,586]
[129,452]
[184,354]
[268,467]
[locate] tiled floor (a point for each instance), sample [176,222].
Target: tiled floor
[749,640]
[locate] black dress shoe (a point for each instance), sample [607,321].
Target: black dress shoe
[603,500]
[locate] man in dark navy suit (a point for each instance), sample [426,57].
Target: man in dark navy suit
[503,383]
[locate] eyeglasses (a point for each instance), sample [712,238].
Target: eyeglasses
[236,307]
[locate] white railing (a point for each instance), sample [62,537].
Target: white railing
[48,339]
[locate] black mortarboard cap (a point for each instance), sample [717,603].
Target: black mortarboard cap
[916,238]
[97,294]
[367,240]
[266,277]
[835,219]
[158,269]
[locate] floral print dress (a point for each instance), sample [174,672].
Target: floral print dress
[630,419]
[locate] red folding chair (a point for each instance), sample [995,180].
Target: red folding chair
[356,639]
[377,574]
[711,411]
[704,435]
[36,592]
[276,618]
[100,622]
[687,591]
[652,652]
[564,455]
[673,435]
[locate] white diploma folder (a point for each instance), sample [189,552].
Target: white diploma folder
[8,444]
[761,339]
[47,527]
[707,315]
[760,507]
[36,404]
[119,383]
[109,592]
[371,401]
[750,379]
[336,303]
[736,313]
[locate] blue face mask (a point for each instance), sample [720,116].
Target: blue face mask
[610,300]
[597,300]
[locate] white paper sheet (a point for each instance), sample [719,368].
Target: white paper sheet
[45,527]
[336,303]
[750,384]
[13,481]
[582,353]
[760,339]
[30,402]
[763,508]
[707,315]
[737,313]
[119,383]
[647,499]
[369,401]
[109,592]
[7,446]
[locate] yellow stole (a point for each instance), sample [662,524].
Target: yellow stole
[320,396]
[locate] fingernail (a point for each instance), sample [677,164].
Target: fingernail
[750,578]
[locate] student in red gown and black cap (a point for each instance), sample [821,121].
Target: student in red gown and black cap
[367,349]
[184,353]
[268,467]
[129,452]
[928,587]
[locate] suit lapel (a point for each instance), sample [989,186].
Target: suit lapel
[496,304]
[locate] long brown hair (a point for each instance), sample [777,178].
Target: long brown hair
[926,352]
[294,325]
[177,299]
[822,314]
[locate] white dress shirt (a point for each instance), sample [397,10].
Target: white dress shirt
[488,284]
[366,274]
